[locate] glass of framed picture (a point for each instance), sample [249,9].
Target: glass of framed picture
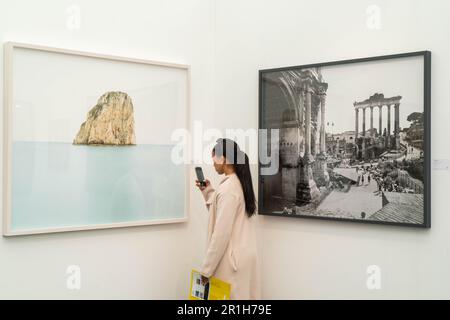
[352,139]
[87,141]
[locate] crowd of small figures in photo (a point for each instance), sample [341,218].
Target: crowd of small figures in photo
[385,182]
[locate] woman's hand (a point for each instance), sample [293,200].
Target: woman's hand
[200,186]
[205,280]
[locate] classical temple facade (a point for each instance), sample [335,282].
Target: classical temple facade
[385,141]
[302,154]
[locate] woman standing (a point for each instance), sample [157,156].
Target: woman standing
[231,243]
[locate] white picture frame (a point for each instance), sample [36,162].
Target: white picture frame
[9,48]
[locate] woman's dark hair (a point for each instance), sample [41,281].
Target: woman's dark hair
[239,159]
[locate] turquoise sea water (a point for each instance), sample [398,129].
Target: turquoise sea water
[65,185]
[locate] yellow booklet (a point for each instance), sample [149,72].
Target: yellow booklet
[215,289]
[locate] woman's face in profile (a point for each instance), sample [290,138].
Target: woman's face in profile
[218,163]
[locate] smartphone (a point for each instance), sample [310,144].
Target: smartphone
[200,176]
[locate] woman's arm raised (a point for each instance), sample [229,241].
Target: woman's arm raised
[207,191]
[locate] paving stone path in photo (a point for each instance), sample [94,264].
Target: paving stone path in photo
[362,198]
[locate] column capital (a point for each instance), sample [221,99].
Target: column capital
[307,86]
[309,89]
[321,91]
[302,91]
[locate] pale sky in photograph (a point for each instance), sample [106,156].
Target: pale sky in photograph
[348,83]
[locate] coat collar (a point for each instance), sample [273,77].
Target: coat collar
[227,176]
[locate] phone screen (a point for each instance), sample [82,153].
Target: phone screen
[199,172]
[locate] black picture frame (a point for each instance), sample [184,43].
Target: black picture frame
[426,56]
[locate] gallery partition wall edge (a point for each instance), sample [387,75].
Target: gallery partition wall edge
[334,166]
[117,171]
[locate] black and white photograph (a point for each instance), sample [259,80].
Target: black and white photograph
[352,140]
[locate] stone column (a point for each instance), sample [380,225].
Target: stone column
[364,134]
[322,123]
[314,129]
[364,122]
[302,129]
[307,123]
[320,171]
[371,121]
[397,125]
[380,119]
[388,131]
[307,191]
[301,100]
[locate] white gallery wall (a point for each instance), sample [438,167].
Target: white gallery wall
[226,42]
[133,263]
[304,259]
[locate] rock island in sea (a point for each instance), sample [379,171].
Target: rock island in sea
[109,122]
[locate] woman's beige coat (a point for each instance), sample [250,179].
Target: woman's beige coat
[231,253]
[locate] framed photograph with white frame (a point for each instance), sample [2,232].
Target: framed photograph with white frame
[88,141]
[351,140]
